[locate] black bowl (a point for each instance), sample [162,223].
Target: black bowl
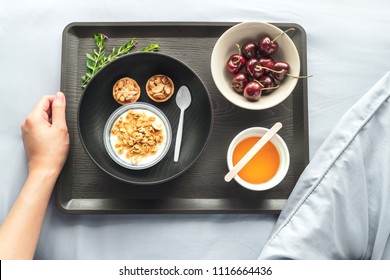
[97,104]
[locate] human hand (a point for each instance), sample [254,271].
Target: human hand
[45,135]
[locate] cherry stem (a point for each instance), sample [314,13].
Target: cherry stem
[270,87]
[281,71]
[284,32]
[258,83]
[239,53]
[299,77]
[238,48]
[269,69]
[263,88]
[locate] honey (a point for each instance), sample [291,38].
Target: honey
[263,166]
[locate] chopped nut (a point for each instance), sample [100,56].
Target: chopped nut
[158,88]
[157,125]
[159,96]
[167,90]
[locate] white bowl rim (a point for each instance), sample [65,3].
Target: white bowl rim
[236,99]
[283,153]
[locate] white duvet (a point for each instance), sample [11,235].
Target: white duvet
[340,207]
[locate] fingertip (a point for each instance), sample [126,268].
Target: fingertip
[58,109]
[59,99]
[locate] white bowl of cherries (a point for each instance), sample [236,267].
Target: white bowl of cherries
[255,65]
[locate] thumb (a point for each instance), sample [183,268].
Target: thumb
[58,109]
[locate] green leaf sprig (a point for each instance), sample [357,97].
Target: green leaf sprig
[153,47]
[124,49]
[98,59]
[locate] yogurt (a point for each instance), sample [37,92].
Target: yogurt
[138,137]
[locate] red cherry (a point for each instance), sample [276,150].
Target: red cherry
[235,63]
[239,81]
[252,91]
[267,46]
[253,68]
[268,82]
[266,62]
[249,50]
[280,70]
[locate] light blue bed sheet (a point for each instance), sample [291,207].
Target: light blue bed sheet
[340,207]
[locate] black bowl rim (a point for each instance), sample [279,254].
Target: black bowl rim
[145,183]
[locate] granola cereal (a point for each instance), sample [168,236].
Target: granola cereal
[137,136]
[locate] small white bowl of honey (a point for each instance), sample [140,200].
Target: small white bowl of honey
[267,168]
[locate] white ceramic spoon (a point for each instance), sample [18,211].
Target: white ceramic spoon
[252,152]
[183,101]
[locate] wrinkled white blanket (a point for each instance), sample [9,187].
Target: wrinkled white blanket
[340,207]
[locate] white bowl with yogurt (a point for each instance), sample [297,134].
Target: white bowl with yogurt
[137,135]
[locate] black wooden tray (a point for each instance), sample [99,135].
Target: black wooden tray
[84,188]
